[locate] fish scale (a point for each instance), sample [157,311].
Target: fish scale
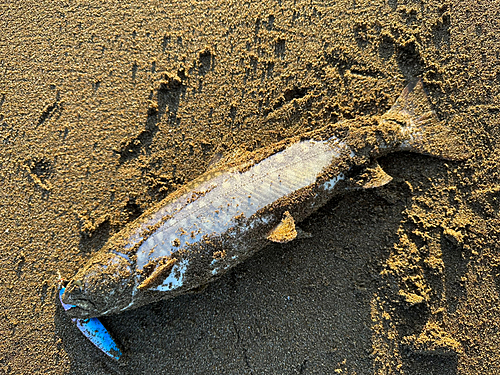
[208,210]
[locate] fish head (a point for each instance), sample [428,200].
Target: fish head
[105,285]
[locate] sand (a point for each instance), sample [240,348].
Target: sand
[105,108]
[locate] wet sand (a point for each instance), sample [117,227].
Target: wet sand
[106,108]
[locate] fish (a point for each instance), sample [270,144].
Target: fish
[220,219]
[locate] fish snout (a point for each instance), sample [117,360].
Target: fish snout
[81,306]
[102,286]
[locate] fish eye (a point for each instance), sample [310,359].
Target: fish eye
[78,283]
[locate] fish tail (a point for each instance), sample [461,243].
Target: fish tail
[421,130]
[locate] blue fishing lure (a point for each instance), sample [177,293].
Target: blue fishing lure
[94,330]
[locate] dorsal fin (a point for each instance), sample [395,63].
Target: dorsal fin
[215,160]
[285,231]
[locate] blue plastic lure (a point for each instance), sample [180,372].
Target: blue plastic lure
[94,330]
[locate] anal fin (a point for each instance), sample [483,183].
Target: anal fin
[285,231]
[371,177]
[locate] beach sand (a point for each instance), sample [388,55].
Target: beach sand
[106,107]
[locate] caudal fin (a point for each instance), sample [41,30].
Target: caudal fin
[421,129]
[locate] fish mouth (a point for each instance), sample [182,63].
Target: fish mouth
[81,303]
[78,312]
[77,307]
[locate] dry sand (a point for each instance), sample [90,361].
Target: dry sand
[107,107]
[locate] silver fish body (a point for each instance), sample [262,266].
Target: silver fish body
[220,219]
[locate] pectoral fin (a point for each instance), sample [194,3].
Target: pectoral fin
[159,274]
[371,177]
[285,231]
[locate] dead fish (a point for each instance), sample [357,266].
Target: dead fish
[220,219]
